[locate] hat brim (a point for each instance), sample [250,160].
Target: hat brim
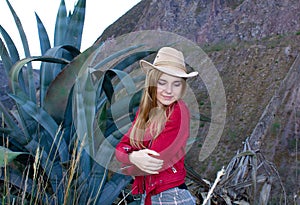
[177,72]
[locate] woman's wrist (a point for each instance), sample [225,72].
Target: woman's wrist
[130,157]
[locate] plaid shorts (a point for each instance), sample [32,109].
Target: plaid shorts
[172,196]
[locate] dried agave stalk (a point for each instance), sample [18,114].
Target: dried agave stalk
[248,179]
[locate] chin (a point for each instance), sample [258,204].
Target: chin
[167,103]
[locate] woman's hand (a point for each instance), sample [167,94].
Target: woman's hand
[145,162]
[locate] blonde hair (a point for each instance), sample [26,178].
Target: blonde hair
[151,117]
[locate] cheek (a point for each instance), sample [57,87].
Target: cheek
[159,93]
[159,89]
[178,91]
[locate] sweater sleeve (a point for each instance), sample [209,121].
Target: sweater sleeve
[171,142]
[123,149]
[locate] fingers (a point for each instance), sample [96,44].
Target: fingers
[150,157]
[151,152]
[145,160]
[150,168]
[150,172]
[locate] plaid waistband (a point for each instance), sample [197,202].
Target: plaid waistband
[173,196]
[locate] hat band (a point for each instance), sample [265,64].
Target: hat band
[170,64]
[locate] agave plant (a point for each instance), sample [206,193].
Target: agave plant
[70,128]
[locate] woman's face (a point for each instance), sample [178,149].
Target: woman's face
[169,89]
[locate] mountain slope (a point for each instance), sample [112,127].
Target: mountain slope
[213,21]
[253,44]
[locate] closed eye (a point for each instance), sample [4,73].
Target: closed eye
[162,82]
[177,84]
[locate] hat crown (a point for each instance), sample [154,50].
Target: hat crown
[168,56]
[170,61]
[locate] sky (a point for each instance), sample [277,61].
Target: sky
[99,15]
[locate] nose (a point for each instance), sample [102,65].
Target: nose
[169,88]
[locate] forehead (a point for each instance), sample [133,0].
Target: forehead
[169,78]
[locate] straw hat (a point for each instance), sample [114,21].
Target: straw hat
[169,61]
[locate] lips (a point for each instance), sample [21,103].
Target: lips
[167,97]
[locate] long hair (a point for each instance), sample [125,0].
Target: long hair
[151,117]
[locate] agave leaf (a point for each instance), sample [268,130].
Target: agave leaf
[43,36]
[84,110]
[119,133]
[118,111]
[22,134]
[96,76]
[7,156]
[13,127]
[124,106]
[108,87]
[13,52]
[118,120]
[119,114]
[106,149]
[59,90]
[61,24]
[129,60]
[116,183]
[17,67]
[7,63]
[46,121]
[49,71]
[83,106]
[5,131]
[75,25]
[114,56]
[20,29]
[89,100]
[113,188]
[29,73]
[68,124]
[125,82]
[55,51]
[135,101]
[9,121]
[38,114]
[101,117]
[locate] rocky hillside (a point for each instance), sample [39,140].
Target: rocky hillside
[253,44]
[212,21]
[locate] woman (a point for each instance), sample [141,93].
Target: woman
[153,149]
